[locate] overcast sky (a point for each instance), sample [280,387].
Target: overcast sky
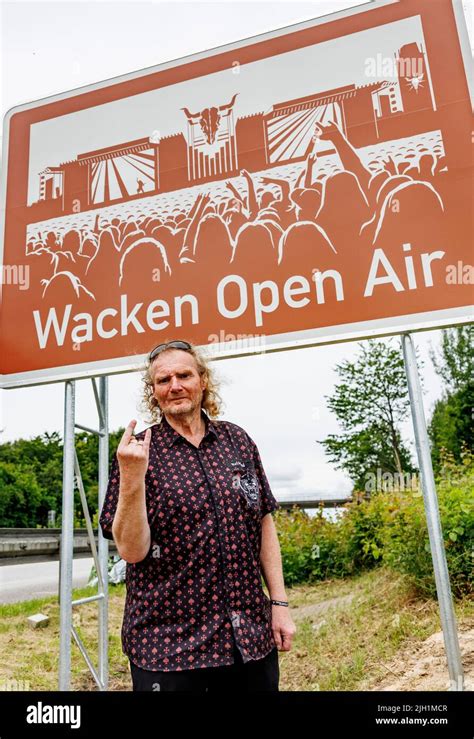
[50,47]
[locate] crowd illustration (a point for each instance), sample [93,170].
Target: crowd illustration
[311,217]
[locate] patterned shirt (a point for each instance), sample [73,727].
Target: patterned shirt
[200,584]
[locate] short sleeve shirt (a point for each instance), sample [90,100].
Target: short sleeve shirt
[200,585]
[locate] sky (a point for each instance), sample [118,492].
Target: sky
[280,398]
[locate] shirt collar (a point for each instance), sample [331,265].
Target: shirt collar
[171,436]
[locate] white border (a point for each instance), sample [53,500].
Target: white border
[464,42]
[277,342]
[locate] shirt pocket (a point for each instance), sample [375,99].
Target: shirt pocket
[246,486]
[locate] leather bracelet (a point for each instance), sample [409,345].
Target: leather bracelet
[279,602]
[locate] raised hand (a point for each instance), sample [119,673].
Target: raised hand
[234,191]
[252,202]
[326,131]
[206,199]
[269,181]
[133,453]
[390,165]
[195,206]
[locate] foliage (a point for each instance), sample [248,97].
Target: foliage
[456,363]
[406,541]
[451,428]
[20,496]
[370,401]
[31,478]
[388,529]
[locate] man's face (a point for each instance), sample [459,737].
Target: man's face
[177,384]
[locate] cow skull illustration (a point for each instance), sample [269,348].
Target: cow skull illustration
[209,119]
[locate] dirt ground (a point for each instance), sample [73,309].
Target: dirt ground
[425,667]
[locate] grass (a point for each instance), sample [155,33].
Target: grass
[343,648]
[32,656]
[349,645]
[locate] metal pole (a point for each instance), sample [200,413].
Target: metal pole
[438,554]
[103,556]
[67,540]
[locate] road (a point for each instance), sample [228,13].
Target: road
[38,579]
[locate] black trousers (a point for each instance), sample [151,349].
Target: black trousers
[255,675]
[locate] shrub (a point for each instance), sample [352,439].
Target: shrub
[389,529]
[406,545]
[20,496]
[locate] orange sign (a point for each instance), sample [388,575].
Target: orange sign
[306,186]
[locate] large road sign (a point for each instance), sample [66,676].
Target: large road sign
[305,186]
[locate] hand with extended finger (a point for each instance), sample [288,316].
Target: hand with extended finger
[390,165]
[133,453]
[269,181]
[327,131]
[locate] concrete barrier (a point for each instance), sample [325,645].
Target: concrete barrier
[42,545]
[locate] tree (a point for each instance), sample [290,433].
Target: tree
[370,402]
[38,462]
[455,365]
[20,496]
[451,428]
[41,457]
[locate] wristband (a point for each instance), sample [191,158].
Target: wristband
[279,602]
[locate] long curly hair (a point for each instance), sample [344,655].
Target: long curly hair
[211,399]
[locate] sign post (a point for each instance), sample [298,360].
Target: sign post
[71,477]
[102,402]
[67,539]
[438,553]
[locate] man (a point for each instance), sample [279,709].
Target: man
[189,507]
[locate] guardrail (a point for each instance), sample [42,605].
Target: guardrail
[42,545]
[315,502]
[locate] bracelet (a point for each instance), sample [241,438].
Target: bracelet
[279,602]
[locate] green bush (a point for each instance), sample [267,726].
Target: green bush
[316,548]
[294,531]
[406,546]
[362,528]
[20,496]
[390,529]
[31,478]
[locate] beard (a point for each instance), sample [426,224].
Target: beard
[184,408]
